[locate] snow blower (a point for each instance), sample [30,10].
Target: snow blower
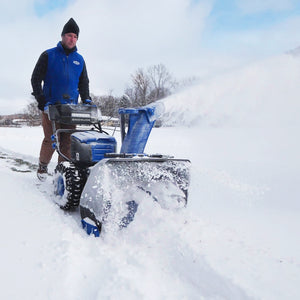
[109,186]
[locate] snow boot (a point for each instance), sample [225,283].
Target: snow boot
[42,172]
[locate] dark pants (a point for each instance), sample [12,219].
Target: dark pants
[64,141]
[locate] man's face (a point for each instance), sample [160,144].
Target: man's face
[69,40]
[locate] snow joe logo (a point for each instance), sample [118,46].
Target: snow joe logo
[76,62]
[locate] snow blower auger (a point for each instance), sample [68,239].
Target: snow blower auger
[108,185]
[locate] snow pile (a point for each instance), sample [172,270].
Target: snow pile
[237,238]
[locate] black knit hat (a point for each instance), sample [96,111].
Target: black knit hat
[71,27]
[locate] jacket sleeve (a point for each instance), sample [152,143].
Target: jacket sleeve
[39,74]
[83,85]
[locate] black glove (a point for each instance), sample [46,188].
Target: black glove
[41,102]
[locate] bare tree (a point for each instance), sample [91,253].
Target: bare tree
[141,87]
[145,87]
[151,85]
[125,101]
[32,114]
[161,81]
[108,104]
[187,82]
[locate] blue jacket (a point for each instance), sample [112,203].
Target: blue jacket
[62,75]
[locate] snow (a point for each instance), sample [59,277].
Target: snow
[238,236]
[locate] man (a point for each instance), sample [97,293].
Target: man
[63,73]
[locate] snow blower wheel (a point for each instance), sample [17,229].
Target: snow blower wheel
[68,185]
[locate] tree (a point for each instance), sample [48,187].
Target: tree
[32,114]
[151,85]
[140,88]
[145,87]
[125,101]
[108,104]
[161,82]
[187,82]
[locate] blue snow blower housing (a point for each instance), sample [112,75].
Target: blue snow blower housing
[89,147]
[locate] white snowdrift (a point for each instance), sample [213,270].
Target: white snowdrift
[237,239]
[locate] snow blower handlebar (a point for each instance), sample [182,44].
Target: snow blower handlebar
[71,114]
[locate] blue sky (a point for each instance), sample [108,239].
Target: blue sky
[240,24]
[227,15]
[44,7]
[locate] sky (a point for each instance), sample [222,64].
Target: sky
[192,38]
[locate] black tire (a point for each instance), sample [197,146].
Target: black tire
[68,185]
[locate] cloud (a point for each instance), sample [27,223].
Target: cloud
[134,33]
[117,37]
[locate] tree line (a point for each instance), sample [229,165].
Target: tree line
[146,86]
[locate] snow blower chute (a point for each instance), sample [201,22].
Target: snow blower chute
[107,185]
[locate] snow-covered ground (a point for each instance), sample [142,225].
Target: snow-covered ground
[238,238]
